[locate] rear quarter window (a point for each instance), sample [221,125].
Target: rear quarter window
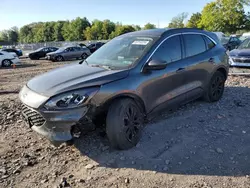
[209,43]
[194,44]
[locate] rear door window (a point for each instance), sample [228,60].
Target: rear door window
[169,51]
[194,44]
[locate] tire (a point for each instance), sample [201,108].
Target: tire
[84,56]
[215,88]
[59,58]
[6,63]
[122,133]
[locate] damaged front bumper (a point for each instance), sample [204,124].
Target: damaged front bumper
[59,125]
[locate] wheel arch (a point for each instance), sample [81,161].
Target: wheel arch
[4,60]
[223,71]
[136,98]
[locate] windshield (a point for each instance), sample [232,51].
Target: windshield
[245,44]
[121,52]
[61,49]
[39,49]
[224,40]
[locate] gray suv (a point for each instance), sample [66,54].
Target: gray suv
[126,81]
[68,53]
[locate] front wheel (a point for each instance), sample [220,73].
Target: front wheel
[124,124]
[6,63]
[215,88]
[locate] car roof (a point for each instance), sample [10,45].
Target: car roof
[166,31]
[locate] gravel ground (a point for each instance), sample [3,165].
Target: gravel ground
[200,145]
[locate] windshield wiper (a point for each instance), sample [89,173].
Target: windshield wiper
[83,61]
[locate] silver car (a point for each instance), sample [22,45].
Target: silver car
[68,53]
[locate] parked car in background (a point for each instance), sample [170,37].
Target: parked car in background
[95,46]
[130,78]
[8,58]
[231,42]
[41,52]
[240,57]
[220,35]
[18,52]
[67,53]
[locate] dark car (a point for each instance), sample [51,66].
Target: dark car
[95,46]
[68,53]
[231,43]
[126,81]
[41,52]
[240,57]
[17,51]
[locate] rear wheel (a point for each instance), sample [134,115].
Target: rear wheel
[124,124]
[59,58]
[6,63]
[215,88]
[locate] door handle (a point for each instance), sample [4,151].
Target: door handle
[211,60]
[180,69]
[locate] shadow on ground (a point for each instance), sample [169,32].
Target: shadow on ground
[198,139]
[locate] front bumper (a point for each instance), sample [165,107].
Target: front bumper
[16,61]
[54,125]
[234,63]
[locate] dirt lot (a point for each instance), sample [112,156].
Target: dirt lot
[200,145]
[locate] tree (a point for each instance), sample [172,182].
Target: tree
[178,21]
[66,31]
[194,21]
[107,28]
[224,15]
[26,34]
[77,27]
[137,27]
[95,32]
[149,26]
[58,31]
[4,35]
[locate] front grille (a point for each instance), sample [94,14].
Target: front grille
[241,59]
[32,117]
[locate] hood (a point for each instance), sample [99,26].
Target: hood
[72,77]
[238,52]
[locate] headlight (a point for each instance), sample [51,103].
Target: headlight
[72,99]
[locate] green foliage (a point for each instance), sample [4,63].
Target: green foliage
[227,16]
[121,29]
[224,15]
[58,31]
[149,26]
[137,27]
[178,21]
[194,21]
[4,35]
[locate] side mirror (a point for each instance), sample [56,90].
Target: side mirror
[155,65]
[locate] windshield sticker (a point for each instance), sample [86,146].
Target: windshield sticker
[140,42]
